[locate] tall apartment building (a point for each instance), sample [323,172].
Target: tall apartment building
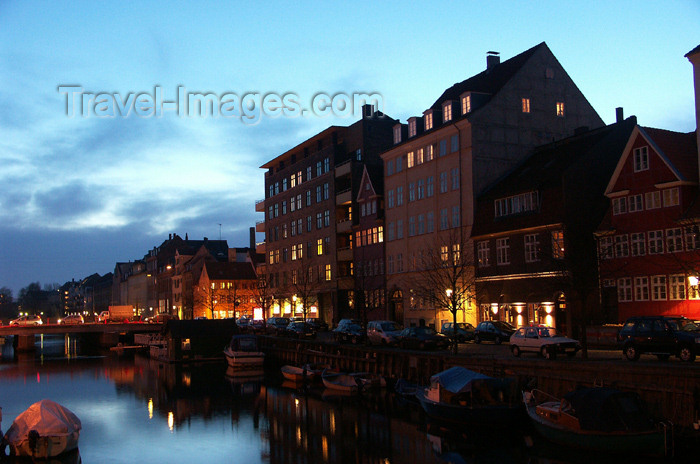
[310,209]
[475,132]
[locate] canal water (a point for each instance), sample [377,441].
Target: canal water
[136,410]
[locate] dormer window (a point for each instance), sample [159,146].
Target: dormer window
[466,104]
[397,133]
[411,127]
[526,105]
[428,120]
[447,111]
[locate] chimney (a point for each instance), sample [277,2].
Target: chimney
[619,114]
[252,239]
[694,57]
[492,59]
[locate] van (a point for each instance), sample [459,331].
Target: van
[383,332]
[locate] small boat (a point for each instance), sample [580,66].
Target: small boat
[406,390]
[306,373]
[45,430]
[340,381]
[243,352]
[369,381]
[459,395]
[598,419]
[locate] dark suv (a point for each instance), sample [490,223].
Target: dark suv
[661,336]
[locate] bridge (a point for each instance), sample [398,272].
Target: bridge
[107,333]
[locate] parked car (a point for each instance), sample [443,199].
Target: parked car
[495,331]
[103,316]
[300,329]
[383,332]
[422,338]
[276,325]
[463,331]
[257,325]
[660,336]
[72,319]
[317,324]
[244,323]
[543,340]
[349,330]
[32,319]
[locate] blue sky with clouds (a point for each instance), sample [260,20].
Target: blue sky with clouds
[79,194]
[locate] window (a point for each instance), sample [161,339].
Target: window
[399,164]
[658,287]
[635,203]
[309,221]
[411,191]
[399,262]
[429,153]
[325,191]
[641,159]
[410,160]
[621,246]
[444,220]
[292,204]
[390,231]
[411,128]
[671,197]
[419,156]
[293,181]
[503,251]
[516,204]
[455,216]
[456,254]
[653,199]
[558,244]
[447,111]
[284,230]
[390,264]
[284,206]
[319,247]
[692,238]
[399,195]
[308,198]
[443,148]
[638,244]
[454,143]
[421,224]
[624,289]
[641,288]
[326,218]
[308,173]
[326,165]
[390,167]
[319,194]
[399,228]
[284,184]
[444,254]
[526,105]
[294,228]
[431,222]
[390,199]
[319,169]
[532,244]
[466,104]
[328,272]
[411,226]
[431,186]
[397,133]
[428,121]
[656,242]
[674,240]
[482,253]
[454,176]
[294,252]
[443,182]
[319,220]
[560,109]
[421,189]
[619,205]
[676,287]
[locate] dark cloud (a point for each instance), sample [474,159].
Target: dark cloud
[67,202]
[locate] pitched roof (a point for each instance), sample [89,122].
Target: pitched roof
[491,80]
[679,149]
[230,271]
[693,51]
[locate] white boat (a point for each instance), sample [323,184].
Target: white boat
[306,373]
[243,352]
[45,430]
[334,380]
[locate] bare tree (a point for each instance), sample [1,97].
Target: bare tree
[209,298]
[446,278]
[304,284]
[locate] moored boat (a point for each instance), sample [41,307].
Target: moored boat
[598,419]
[45,430]
[459,395]
[334,380]
[305,373]
[243,352]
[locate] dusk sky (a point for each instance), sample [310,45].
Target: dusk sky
[81,193]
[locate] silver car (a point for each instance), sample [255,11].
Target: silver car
[32,319]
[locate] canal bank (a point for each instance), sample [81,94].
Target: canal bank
[671,389]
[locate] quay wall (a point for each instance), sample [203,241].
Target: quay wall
[671,390]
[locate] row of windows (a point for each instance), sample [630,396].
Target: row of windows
[314,273]
[418,261]
[515,204]
[368,208]
[295,202]
[656,288]
[297,251]
[652,200]
[370,268]
[559,107]
[423,188]
[296,227]
[531,244]
[369,236]
[296,178]
[423,224]
[652,242]
[422,155]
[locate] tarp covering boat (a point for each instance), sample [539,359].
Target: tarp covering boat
[45,429]
[607,409]
[457,384]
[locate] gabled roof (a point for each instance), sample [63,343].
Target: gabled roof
[489,81]
[229,271]
[677,150]
[366,178]
[693,51]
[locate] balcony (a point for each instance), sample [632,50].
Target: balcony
[260,206]
[343,169]
[346,283]
[344,197]
[260,247]
[345,254]
[344,226]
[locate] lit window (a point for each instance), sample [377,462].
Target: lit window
[466,104]
[328,272]
[558,244]
[671,197]
[428,121]
[526,105]
[419,156]
[319,246]
[676,287]
[447,112]
[560,109]
[641,159]
[397,133]
[412,128]
[482,253]
[410,160]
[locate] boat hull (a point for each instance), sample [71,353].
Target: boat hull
[245,359]
[651,442]
[46,447]
[339,381]
[299,374]
[489,416]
